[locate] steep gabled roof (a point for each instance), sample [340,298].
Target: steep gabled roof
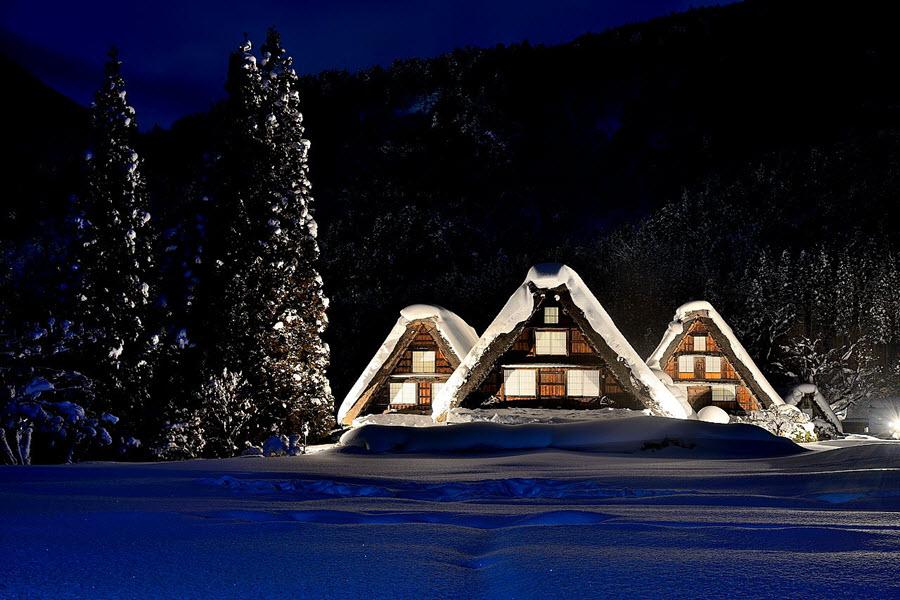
[633,374]
[804,389]
[453,335]
[726,340]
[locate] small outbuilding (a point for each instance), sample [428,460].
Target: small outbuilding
[702,361]
[811,402]
[408,370]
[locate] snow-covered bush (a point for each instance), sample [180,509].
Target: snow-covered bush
[280,445]
[784,420]
[218,415]
[41,407]
[276,445]
[225,412]
[251,450]
[181,438]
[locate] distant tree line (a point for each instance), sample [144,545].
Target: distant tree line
[194,354]
[696,156]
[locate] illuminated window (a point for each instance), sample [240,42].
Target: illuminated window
[723,394]
[550,342]
[699,343]
[423,361]
[551,315]
[713,364]
[685,364]
[404,393]
[436,389]
[519,382]
[582,382]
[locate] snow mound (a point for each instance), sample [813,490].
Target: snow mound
[676,328]
[460,337]
[621,435]
[517,416]
[713,414]
[395,419]
[519,308]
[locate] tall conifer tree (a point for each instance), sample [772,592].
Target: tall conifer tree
[273,305]
[114,259]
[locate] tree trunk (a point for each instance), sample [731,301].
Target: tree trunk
[8,457]
[23,437]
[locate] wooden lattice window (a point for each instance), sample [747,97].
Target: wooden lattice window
[519,382]
[583,383]
[551,342]
[403,393]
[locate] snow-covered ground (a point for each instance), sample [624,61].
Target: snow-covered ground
[662,523]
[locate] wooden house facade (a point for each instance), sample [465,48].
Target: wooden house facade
[707,364]
[551,363]
[554,346]
[407,372]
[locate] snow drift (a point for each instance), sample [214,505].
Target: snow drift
[621,435]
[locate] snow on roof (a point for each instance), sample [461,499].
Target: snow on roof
[676,328]
[460,337]
[804,389]
[519,308]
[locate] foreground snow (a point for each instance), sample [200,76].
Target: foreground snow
[547,523]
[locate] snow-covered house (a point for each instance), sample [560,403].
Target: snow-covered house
[702,361]
[553,345]
[811,402]
[418,355]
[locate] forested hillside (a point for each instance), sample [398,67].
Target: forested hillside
[747,154]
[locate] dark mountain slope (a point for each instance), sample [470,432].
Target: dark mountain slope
[44,134]
[440,180]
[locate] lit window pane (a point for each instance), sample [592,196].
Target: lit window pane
[423,361]
[723,394]
[404,393]
[685,364]
[436,389]
[519,382]
[582,382]
[700,343]
[551,315]
[713,364]
[550,342]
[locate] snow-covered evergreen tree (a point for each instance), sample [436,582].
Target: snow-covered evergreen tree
[113,258]
[272,302]
[294,357]
[770,304]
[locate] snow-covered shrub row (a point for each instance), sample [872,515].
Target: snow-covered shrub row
[782,420]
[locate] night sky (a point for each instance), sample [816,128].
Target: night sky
[176,52]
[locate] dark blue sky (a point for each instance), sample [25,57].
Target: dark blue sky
[176,52]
